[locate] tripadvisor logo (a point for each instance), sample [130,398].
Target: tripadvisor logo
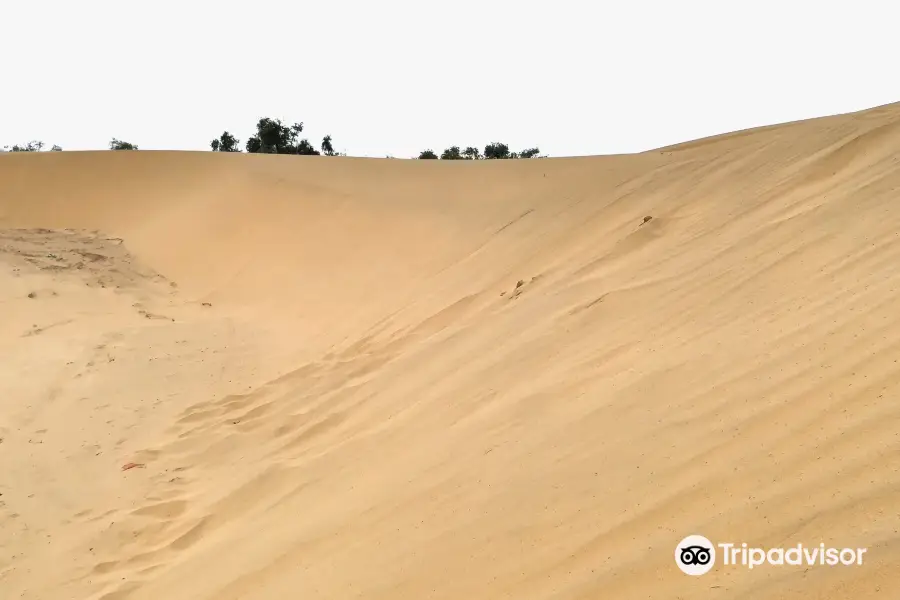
[696,555]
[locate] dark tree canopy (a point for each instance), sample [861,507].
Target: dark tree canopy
[225,143]
[120,145]
[254,145]
[303,147]
[493,151]
[274,137]
[451,153]
[327,148]
[34,146]
[496,150]
[472,153]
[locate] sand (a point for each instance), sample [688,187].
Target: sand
[229,377]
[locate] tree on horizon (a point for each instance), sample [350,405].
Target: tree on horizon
[327,148]
[452,153]
[115,144]
[33,146]
[492,151]
[274,137]
[472,153]
[225,143]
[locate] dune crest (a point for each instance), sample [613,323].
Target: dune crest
[243,376]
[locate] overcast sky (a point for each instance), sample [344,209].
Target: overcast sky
[392,77]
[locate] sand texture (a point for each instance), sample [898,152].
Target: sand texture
[232,377]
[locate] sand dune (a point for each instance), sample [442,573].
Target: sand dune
[358,378]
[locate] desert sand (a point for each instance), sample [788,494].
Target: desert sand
[262,377]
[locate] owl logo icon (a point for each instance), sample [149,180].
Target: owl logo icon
[695,555]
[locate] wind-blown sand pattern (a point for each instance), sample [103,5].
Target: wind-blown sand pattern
[359,378]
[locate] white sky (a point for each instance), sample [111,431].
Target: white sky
[393,77]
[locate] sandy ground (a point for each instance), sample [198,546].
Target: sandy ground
[335,378]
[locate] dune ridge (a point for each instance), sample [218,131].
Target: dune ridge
[364,378]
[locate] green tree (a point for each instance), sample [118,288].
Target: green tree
[225,143]
[472,153]
[35,146]
[451,153]
[274,137]
[496,150]
[120,145]
[427,154]
[254,145]
[303,147]
[327,147]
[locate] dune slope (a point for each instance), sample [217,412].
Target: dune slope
[240,376]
